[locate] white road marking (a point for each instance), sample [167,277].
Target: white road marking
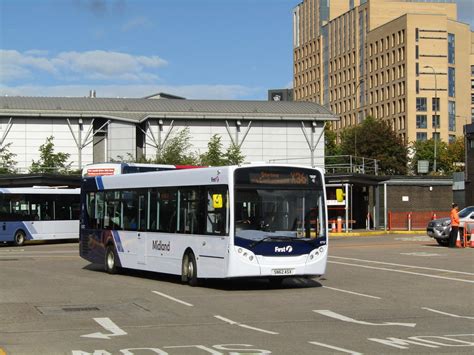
[351,292]
[335,348]
[244,325]
[108,325]
[402,265]
[404,272]
[414,239]
[446,314]
[420,253]
[335,315]
[173,299]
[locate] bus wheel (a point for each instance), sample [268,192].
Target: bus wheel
[189,273]
[110,260]
[19,238]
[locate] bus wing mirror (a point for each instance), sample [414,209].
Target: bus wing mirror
[217,201]
[340,195]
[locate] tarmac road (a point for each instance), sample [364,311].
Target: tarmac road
[381,294]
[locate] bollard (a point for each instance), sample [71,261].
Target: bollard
[433,216]
[333,226]
[471,245]
[367,221]
[409,221]
[339,224]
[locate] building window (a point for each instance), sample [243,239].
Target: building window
[451,82]
[435,121]
[451,138]
[417,86]
[421,136]
[436,136]
[435,103]
[417,52]
[472,111]
[421,104]
[472,70]
[452,116]
[417,69]
[451,47]
[421,121]
[417,34]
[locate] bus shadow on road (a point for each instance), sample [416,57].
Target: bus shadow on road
[238,284]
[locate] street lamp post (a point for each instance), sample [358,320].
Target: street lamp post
[435,115]
[361,80]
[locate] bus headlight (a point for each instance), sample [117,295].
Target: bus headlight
[316,252]
[245,254]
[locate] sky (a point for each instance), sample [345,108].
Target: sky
[198,49]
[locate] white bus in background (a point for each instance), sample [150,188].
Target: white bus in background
[106,169]
[38,213]
[222,222]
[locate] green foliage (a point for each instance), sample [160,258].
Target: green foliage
[375,139]
[446,155]
[177,150]
[7,164]
[214,155]
[233,155]
[50,162]
[331,148]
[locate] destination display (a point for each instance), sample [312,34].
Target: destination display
[276,176]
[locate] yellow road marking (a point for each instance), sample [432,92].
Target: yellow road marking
[2,352]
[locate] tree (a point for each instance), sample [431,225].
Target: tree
[177,150]
[375,139]
[446,155]
[50,162]
[7,164]
[233,155]
[331,148]
[214,155]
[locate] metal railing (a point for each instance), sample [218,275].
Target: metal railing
[337,164]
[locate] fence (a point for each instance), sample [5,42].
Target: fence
[412,220]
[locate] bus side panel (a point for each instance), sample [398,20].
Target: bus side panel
[212,255]
[49,230]
[92,245]
[8,230]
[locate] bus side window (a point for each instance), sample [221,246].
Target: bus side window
[95,209]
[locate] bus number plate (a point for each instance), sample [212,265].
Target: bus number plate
[283,271]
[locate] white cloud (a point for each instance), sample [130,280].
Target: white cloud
[208,92]
[15,65]
[92,65]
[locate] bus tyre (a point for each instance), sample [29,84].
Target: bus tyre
[111,260]
[19,238]
[189,270]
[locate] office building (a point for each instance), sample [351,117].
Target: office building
[405,61]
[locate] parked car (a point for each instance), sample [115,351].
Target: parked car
[439,228]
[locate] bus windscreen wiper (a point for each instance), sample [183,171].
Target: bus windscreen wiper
[273,237]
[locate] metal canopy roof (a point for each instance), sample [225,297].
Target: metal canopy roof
[139,110]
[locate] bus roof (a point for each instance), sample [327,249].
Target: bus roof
[41,190]
[188,177]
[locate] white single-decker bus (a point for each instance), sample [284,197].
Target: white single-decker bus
[261,220]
